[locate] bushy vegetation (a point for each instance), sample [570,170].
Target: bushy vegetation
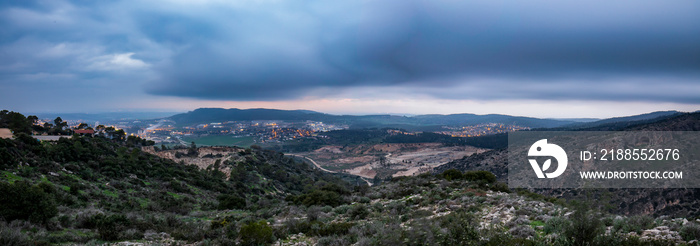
[585,226]
[231,202]
[477,176]
[690,231]
[256,233]
[86,188]
[11,235]
[327,195]
[635,223]
[20,200]
[92,190]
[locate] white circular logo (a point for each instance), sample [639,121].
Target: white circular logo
[542,149]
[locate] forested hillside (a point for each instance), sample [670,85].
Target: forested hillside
[98,190]
[83,188]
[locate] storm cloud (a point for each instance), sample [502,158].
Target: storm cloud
[269,50]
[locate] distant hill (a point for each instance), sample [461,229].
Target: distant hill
[419,122]
[646,116]
[679,122]
[473,119]
[622,122]
[208,115]
[106,117]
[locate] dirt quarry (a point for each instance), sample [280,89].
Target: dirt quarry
[206,156]
[404,159]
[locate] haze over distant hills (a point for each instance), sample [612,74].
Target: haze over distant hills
[418,122]
[106,116]
[428,122]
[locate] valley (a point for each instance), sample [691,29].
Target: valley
[387,160]
[343,187]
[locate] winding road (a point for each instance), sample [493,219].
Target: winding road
[323,169]
[313,162]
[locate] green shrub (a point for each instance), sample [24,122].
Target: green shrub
[21,200]
[336,188]
[64,220]
[190,231]
[461,229]
[452,174]
[74,188]
[690,231]
[13,236]
[88,219]
[318,197]
[484,176]
[231,202]
[313,213]
[334,229]
[256,233]
[342,209]
[635,223]
[109,227]
[585,226]
[638,223]
[500,186]
[358,212]
[364,199]
[7,158]
[231,232]
[556,225]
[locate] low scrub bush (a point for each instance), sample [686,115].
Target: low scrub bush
[635,223]
[523,231]
[13,236]
[231,202]
[358,212]
[452,174]
[585,226]
[20,200]
[556,225]
[690,231]
[110,227]
[480,176]
[256,233]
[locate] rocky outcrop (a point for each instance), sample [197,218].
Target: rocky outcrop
[206,156]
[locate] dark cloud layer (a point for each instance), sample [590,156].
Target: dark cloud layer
[414,43]
[278,50]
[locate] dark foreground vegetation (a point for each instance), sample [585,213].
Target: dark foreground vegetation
[97,190]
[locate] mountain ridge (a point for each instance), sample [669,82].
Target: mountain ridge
[208,115]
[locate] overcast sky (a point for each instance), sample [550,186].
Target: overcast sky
[534,58]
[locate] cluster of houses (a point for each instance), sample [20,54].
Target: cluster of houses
[7,133]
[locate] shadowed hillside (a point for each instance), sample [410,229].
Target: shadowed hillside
[680,202]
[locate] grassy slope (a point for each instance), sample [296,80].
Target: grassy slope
[455,209]
[106,190]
